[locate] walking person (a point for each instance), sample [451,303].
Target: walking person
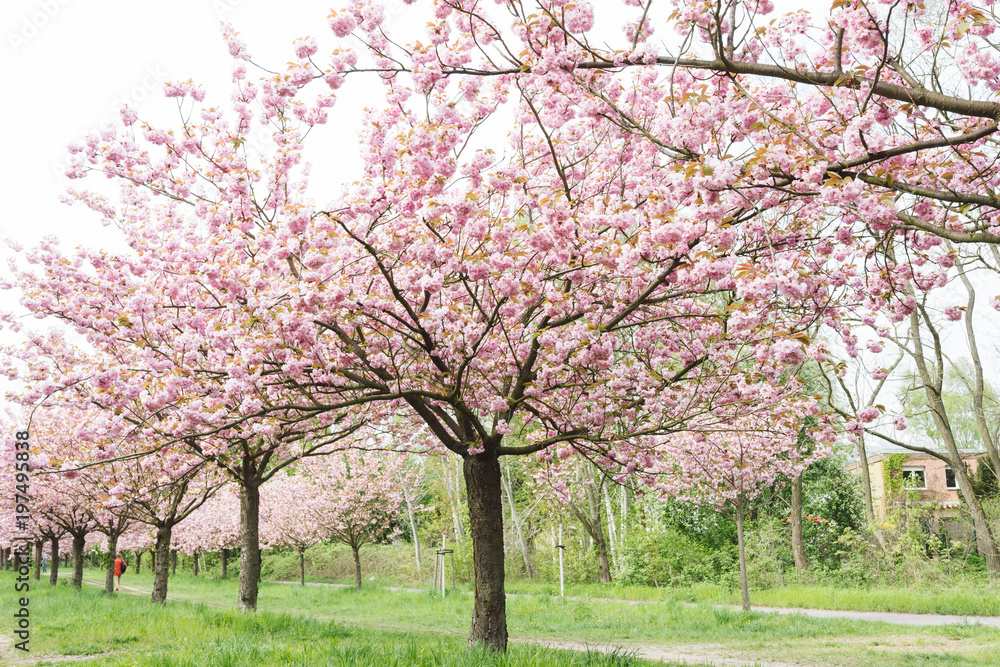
[120,567]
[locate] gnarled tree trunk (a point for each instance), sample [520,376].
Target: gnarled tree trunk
[109,575]
[79,543]
[54,574]
[489,614]
[249,545]
[161,566]
[38,559]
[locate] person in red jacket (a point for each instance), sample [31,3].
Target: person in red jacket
[120,566]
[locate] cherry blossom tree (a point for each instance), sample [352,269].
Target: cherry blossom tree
[361,499]
[109,515]
[164,385]
[294,505]
[806,117]
[215,526]
[61,497]
[728,470]
[647,254]
[139,539]
[598,318]
[162,499]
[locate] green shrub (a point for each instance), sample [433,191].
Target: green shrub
[671,558]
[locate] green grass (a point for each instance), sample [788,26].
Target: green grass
[319,625]
[66,622]
[959,600]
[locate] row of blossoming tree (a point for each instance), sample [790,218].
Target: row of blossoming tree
[635,275]
[84,498]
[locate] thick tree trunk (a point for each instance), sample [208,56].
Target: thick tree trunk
[224,563]
[798,548]
[357,567]
[79,543]
[489,614]
[109,575]
[302,566]
[744,585]
[54,574]
[249,545]
[161,564]
[195,558]
[38,560]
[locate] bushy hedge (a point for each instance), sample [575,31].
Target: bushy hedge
[671,558]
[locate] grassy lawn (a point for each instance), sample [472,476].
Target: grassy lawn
[317,625]
[962,600]
[127,631]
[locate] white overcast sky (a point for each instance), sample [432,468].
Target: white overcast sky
[68,65]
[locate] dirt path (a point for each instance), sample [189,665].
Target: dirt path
[16,658]
[896,618]
[685,654]
[129,590]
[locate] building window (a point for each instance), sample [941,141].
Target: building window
[949,478]
[914,478]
